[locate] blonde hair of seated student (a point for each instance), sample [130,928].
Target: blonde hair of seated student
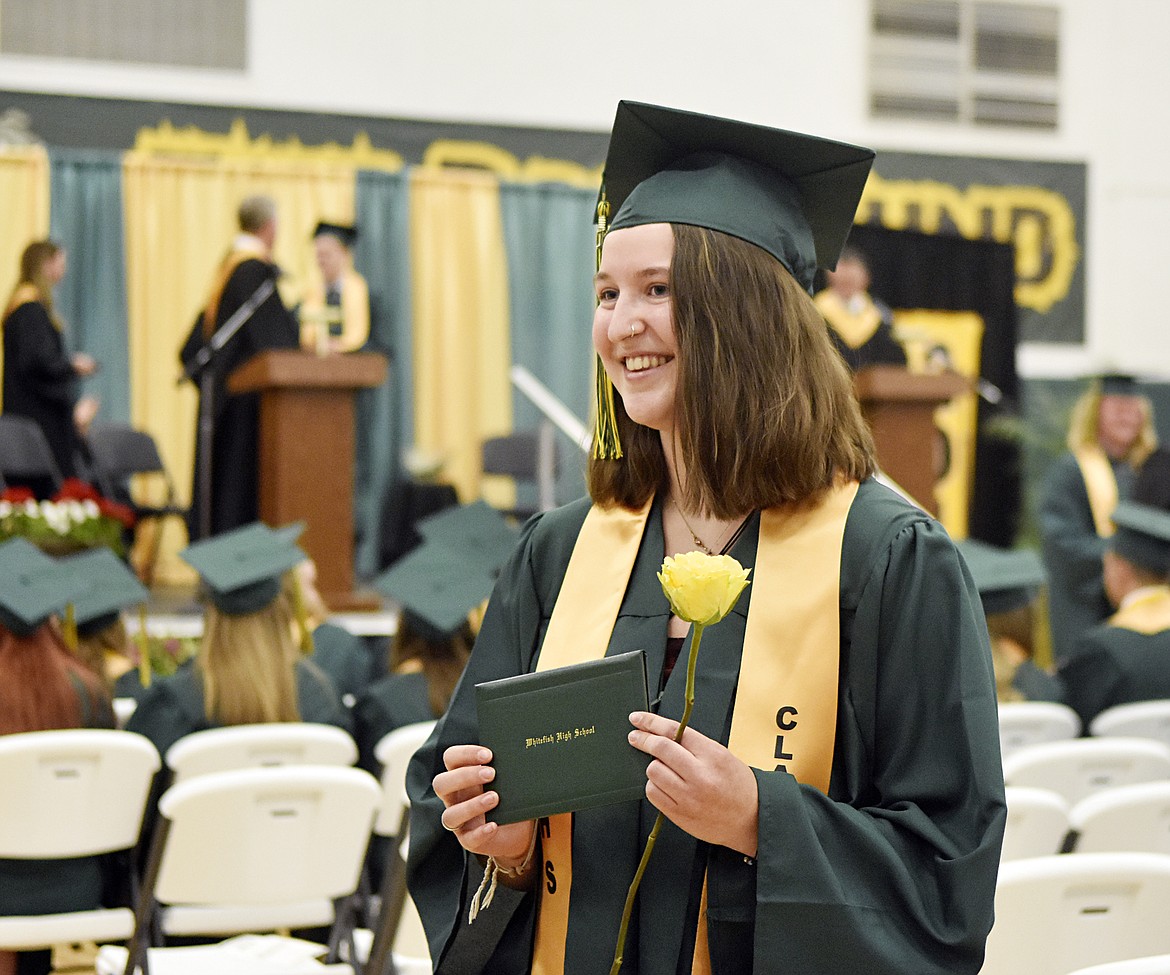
[248,663]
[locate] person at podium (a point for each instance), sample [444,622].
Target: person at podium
[860,326]
[243,295]
[335,312]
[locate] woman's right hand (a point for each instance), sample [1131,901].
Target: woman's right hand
[462,788]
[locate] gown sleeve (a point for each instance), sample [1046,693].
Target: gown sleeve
[894,871]
[440,875]
[40,354]
[1072,548]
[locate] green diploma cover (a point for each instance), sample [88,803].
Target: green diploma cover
[559,737]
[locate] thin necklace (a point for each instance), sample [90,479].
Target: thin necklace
[703,545]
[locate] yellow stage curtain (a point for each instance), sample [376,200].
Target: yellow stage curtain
[24,201]
[462,347]
[960,333]
[180,218]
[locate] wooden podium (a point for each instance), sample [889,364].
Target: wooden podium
[899,407]
[307,450]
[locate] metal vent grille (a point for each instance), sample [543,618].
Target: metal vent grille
[187,33]
[965,61]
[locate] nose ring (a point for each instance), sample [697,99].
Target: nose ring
[633,331]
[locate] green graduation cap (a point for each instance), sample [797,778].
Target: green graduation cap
[437,587]
[793,195]
[243,568]
[111,587]
[475,533]
[1007,579]
[1142,536]
[1118,384]
[347,235]
[33,586]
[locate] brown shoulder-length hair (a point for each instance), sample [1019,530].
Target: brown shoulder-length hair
[764,408]
[43,687]
[441,661]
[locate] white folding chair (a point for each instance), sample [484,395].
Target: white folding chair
[1082,766]
[259,746]
[1037,823]
[253,850]
[399,942]
[1023,723]
[1056,914]
[65,794]
[1129,817]
[1142,719]
[1150,965]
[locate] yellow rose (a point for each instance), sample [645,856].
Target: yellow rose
[702,589]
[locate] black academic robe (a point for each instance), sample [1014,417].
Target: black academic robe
[1112,665]
[39,380]
[880,349]
[392,702]
[236,416]
[52,886]
[173,706]
[892,872]
[1072,552]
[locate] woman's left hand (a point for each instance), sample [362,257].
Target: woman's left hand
[698,784]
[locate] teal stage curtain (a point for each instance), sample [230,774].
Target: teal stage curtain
[550,240]
[86,217]
[385,416]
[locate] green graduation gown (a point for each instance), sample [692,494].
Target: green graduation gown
[1113,665]
[1072,552]
[173,707]
[892,872]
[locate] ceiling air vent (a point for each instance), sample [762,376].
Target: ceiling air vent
[963,61]
[191,34]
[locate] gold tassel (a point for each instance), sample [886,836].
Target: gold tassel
[69,628]
[144,669]
[607,444]
[301,612]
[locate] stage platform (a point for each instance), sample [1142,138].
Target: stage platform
[176,611]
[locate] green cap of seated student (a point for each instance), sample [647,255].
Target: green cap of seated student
[1118,384]
[476,533]
[243,568]
[793,195]
[1142,536]
[347,235]
[1007,579]
[33,586]
[111,587]
[437,588]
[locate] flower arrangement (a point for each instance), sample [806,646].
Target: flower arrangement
[701,589]
[76,517]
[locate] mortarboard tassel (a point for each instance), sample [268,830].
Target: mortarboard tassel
[69,628]
[301,612]
[607,444]
[144,669]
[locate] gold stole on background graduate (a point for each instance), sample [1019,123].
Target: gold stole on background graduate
[854,327]
[355,313]
[787,689]
[1148,614]
[1100,485]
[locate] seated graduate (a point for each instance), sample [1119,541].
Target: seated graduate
[43,687]
[1009,582]
[102,642]
[342,655]
[248,669]
[1127,658]
[836,803]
